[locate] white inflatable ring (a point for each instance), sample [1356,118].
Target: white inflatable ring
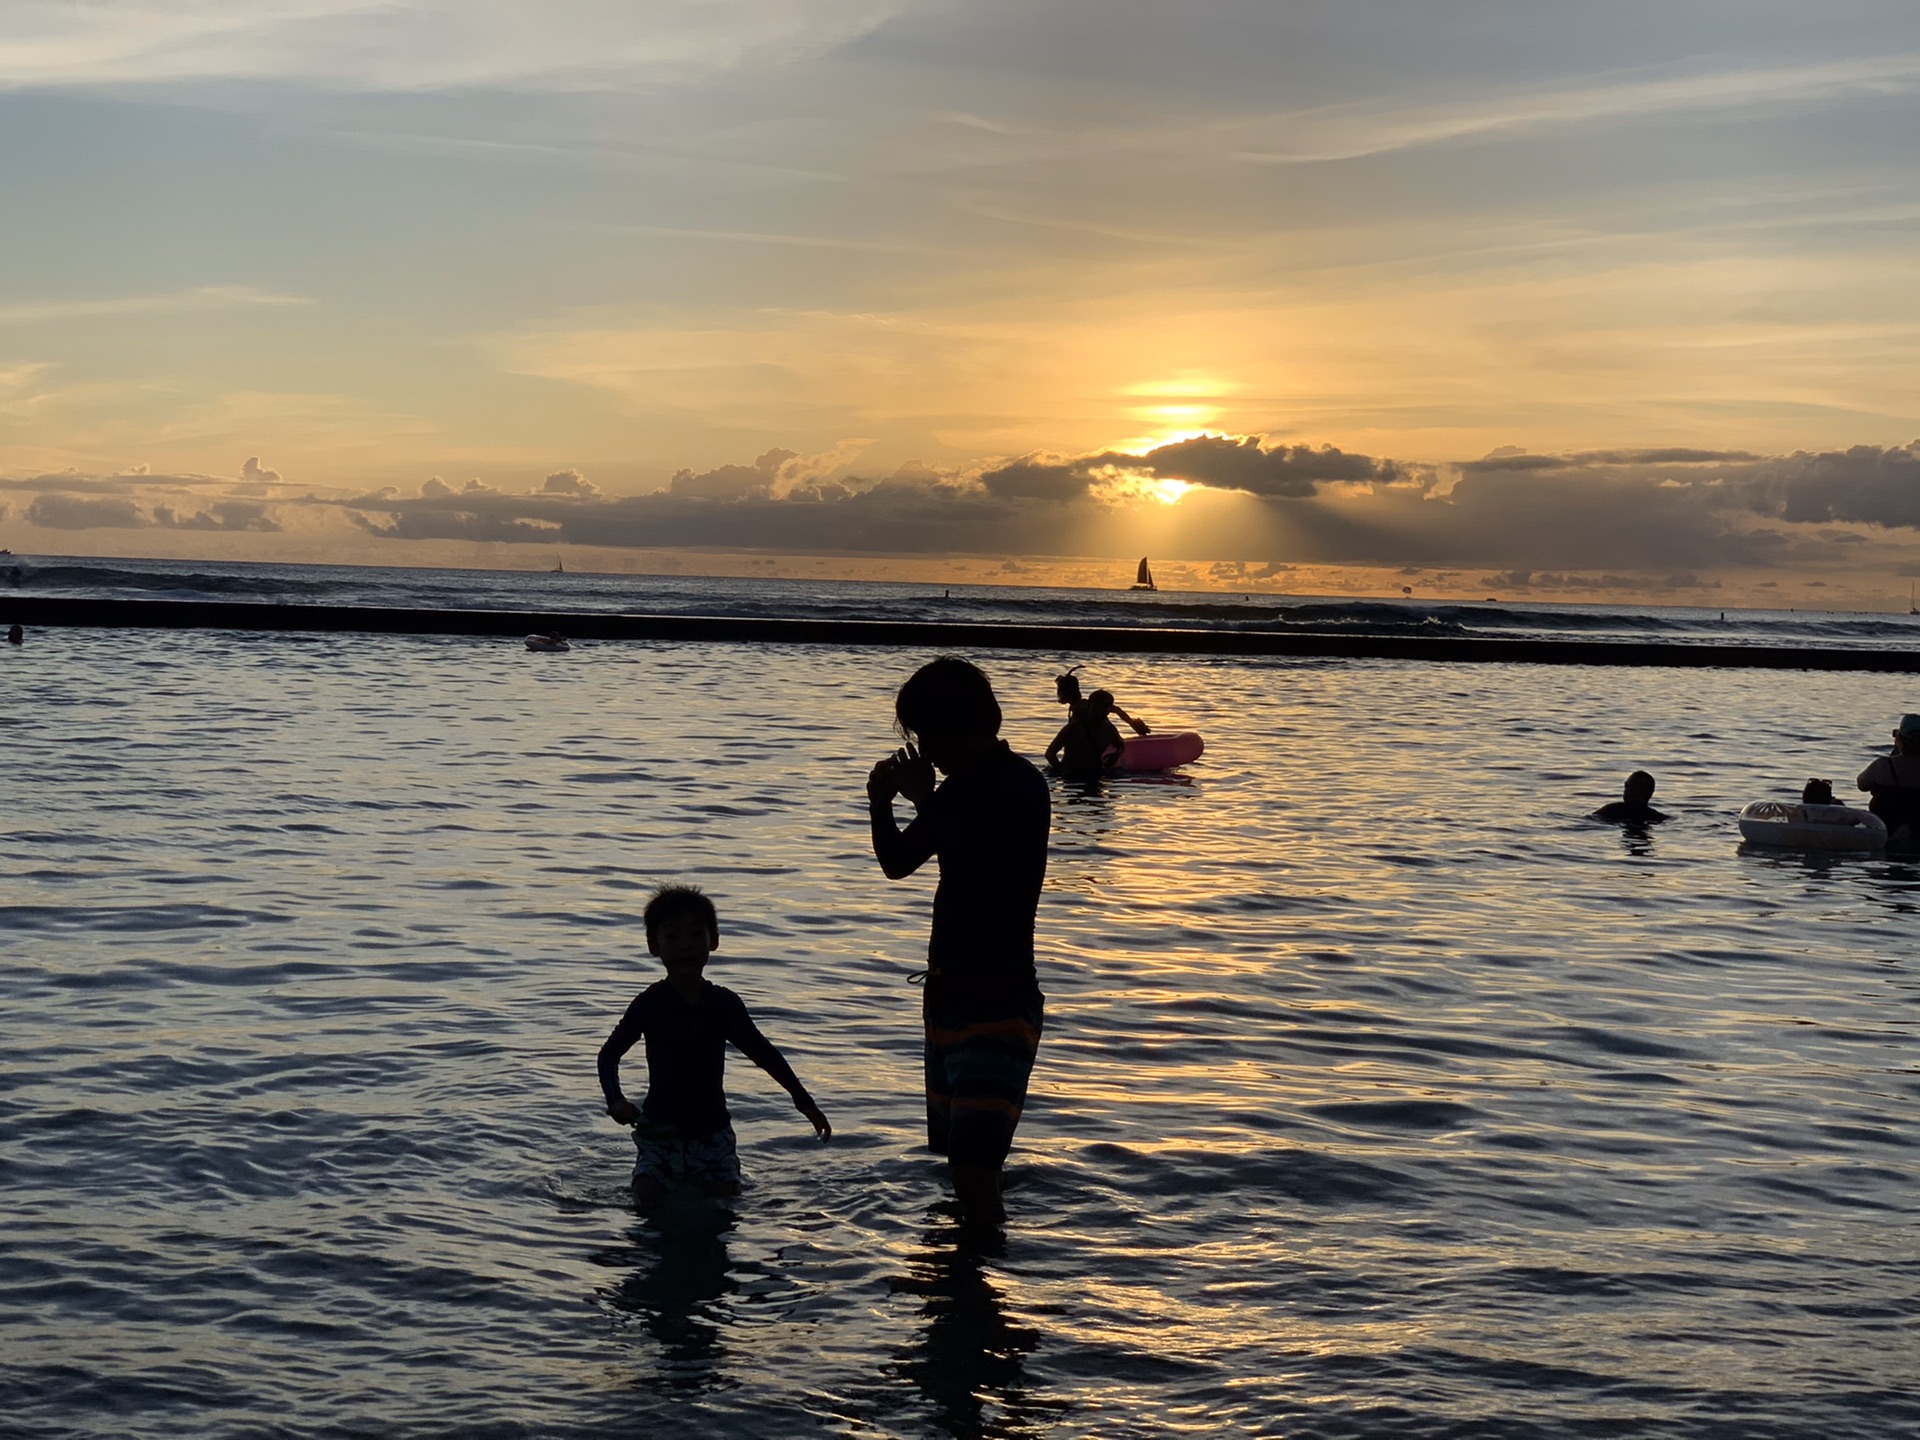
[1784,825]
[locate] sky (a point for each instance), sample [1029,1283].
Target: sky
[1586,301]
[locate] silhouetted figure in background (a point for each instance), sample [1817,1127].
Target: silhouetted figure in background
[16,636]
[987,823]
[1632,807]
[1817,792]
[682,1128]
[1089,743]
[1894,781]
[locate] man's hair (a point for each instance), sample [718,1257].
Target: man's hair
[671,900]
[1639,780]
[948,696]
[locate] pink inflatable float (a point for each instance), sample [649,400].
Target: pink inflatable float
[1160,751]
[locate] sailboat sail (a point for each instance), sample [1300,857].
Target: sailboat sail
[1144,580]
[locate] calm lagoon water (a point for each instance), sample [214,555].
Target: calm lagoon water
[1382,1096]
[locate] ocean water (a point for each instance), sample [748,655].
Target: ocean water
[858,600]
[1382,1095]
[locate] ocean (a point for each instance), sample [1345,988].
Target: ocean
[1383,1094]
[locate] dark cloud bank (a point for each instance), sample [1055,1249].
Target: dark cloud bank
[1669,511]
[60,511]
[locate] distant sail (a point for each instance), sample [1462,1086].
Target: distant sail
[1144,580]
[559,566]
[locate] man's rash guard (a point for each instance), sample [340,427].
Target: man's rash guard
[687,1055]
[989,824]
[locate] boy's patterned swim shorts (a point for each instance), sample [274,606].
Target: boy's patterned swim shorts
[669,1158]
[980,1050]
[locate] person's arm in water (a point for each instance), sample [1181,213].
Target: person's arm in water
[1059,743]
[631,1027]
[900,852]
[745,1037]
[1139,726]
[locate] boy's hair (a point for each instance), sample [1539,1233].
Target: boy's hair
[1641,781]
[671,900]
[1817,792]
[948,696]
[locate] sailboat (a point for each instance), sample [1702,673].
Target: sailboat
[559,566]
[1144,580]
[1912,608]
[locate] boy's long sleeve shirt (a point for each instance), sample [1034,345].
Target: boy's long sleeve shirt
[686,1045]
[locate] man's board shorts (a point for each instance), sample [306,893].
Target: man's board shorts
[981,1045]
[669,1158]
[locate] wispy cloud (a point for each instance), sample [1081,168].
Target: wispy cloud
[1351,132]
[411,44]
[206,297]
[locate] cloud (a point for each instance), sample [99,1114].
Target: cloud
[69,511]
[251,473]
[227,515]
[80,512]
[569,482]
[1600,520]
[1222,462]
[1866,484]
[1351,132]
[1243,463]
[207,297]
[775,474]
[412,45]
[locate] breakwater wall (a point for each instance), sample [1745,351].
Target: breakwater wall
[45,611]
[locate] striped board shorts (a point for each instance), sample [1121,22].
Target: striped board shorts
[981,1044]
[669,1158]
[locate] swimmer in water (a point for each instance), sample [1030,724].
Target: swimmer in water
[16,636]
[1632,807]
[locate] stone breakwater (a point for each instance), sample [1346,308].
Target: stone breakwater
[942,635]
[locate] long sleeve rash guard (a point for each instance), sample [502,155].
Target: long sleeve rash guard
[687,1055]
[988,825]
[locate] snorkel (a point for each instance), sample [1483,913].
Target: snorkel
[1066,687]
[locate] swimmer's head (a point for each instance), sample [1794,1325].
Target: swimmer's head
[1100,702]
[1908,734]
[1066,687]
[1639,788]
[1817,792]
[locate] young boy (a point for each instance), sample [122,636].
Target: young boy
[682,1128]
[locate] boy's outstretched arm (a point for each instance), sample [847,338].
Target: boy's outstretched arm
[623,1038]
[747,1039]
